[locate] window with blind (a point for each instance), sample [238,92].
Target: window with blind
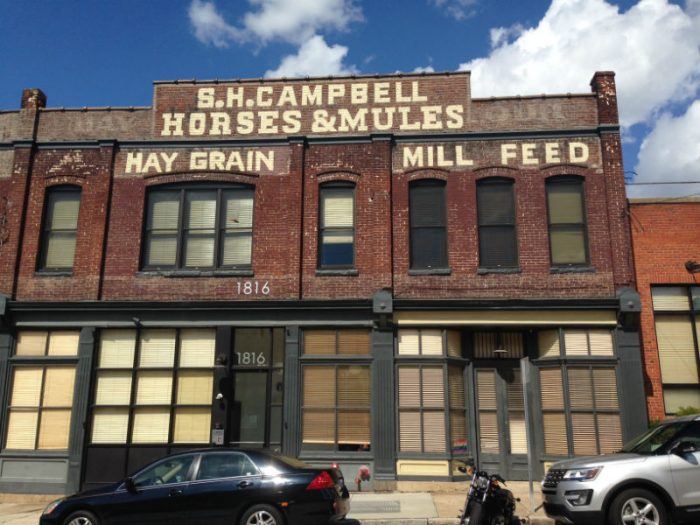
[567,221]
[496,213]
[41,393]
[336,408]
[199,228]
[588,342]
[677,322]
[60,228]
[347,342]
[433,342]
[153,386]
[337,225]
[428,222]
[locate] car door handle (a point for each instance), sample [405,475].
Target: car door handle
[245,484]
[175,492]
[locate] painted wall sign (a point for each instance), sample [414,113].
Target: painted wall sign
[410,104]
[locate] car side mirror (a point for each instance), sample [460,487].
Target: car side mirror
[130,486]
[685,447]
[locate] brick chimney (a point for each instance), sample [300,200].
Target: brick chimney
[603,85]
[33,98]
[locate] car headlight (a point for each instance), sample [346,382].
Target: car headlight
[52,506]
[582,474]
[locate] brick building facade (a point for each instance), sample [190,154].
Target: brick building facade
[666,243]
[376,271]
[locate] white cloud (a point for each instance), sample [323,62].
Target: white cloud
[314,58]
[294,21]
[671,152]
[457,9]
[654,47]
[424,69]
[502,35]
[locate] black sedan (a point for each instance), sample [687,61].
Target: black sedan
[213,486]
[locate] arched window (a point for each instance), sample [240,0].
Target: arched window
[337,225]
[199,227]
[498,247]
[60,229]
[566,213]
[428,224]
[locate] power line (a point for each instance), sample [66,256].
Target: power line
[655,183]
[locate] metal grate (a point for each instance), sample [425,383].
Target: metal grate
[553,477]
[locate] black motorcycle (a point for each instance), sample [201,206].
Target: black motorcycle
[487,503]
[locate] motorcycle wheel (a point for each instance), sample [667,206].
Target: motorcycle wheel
[475,514]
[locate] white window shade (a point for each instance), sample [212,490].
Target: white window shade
[154,388]
[157,348]
[63,210]
[433,387]
[353,386]
[26,387]
[408,342]
[318,427]
[410,435]
[192,425]
[670,298]
[161,250]
[576,342]
[64,343]
[555,438]
[60,250]
[238,210]
[59,384]
[431,342]
[151,425]
[117,348]
[337,206]
[238,249]
[354,427]
[548,343]
[199,249]
[319,342]
[21,430]
[601,342]
[409,387]
[338,237]
[434,436]
[110,425]
[201,210]
[518,433]
[54,430]
[677,354]
[31,343]
[676,398]
[165,211]
[194,387]
[113,388]
[197,347]
[319,386]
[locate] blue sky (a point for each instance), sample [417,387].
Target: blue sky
[99,53]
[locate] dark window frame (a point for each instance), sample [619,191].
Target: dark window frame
[46,231]
[336,185]
[579,182]
[444,255]
[482,227]
[220,227]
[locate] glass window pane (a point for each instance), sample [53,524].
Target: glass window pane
[428,248]
[601,342]
[676,398]
[488,432]
[609,433]
[167,472]
[568,246]
[192,425]
[201,210]
[117,348]
[54,430]
[319,386]
[576,342]
[337,248]
[319,342]
[157,348]
[110,425]
[238,249]
[64,343]
[551,389]
[433,380]
[353,386]
[199,249]
[197,346]
[565,203]
[677,354]
[194,387]
[60,250]
[497,247]
[580,388]
[59,384]
[164,210]
[154,388]
[249,409]
[151,425]
[354,430]
[225,465]
[427,204]
[238,207]
[252,347]
[337,207]
[26,386]
[555,438]
[410,434]
[161,250]
[408,342]
[277,386]
[63,207]
[495,202]
[454,343]
[354,342]
[409,387]
[113,388]
[548,343]
[584,433]
[431,342]
[605,389]
[31,343]
[21,430]
[670,298]
[318,429]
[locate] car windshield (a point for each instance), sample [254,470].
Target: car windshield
[649,442]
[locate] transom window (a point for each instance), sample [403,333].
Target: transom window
[199,228]
[60,228]
[428,225]
[567,221]
[337,225]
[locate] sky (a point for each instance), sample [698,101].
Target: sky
[107,53]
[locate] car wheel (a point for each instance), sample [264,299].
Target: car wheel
[82,517]
[262,515]
[637,507]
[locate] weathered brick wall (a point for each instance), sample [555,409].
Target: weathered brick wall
[94,124]
[8,125]
[664,236]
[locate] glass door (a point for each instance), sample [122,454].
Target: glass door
[258,388]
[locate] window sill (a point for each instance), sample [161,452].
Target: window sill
[486,271]
[53,273]
[196,273]
[430,271]
[572,269]
[347,272]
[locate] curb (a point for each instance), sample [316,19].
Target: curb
[535,520]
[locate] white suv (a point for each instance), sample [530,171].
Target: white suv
[653,480]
